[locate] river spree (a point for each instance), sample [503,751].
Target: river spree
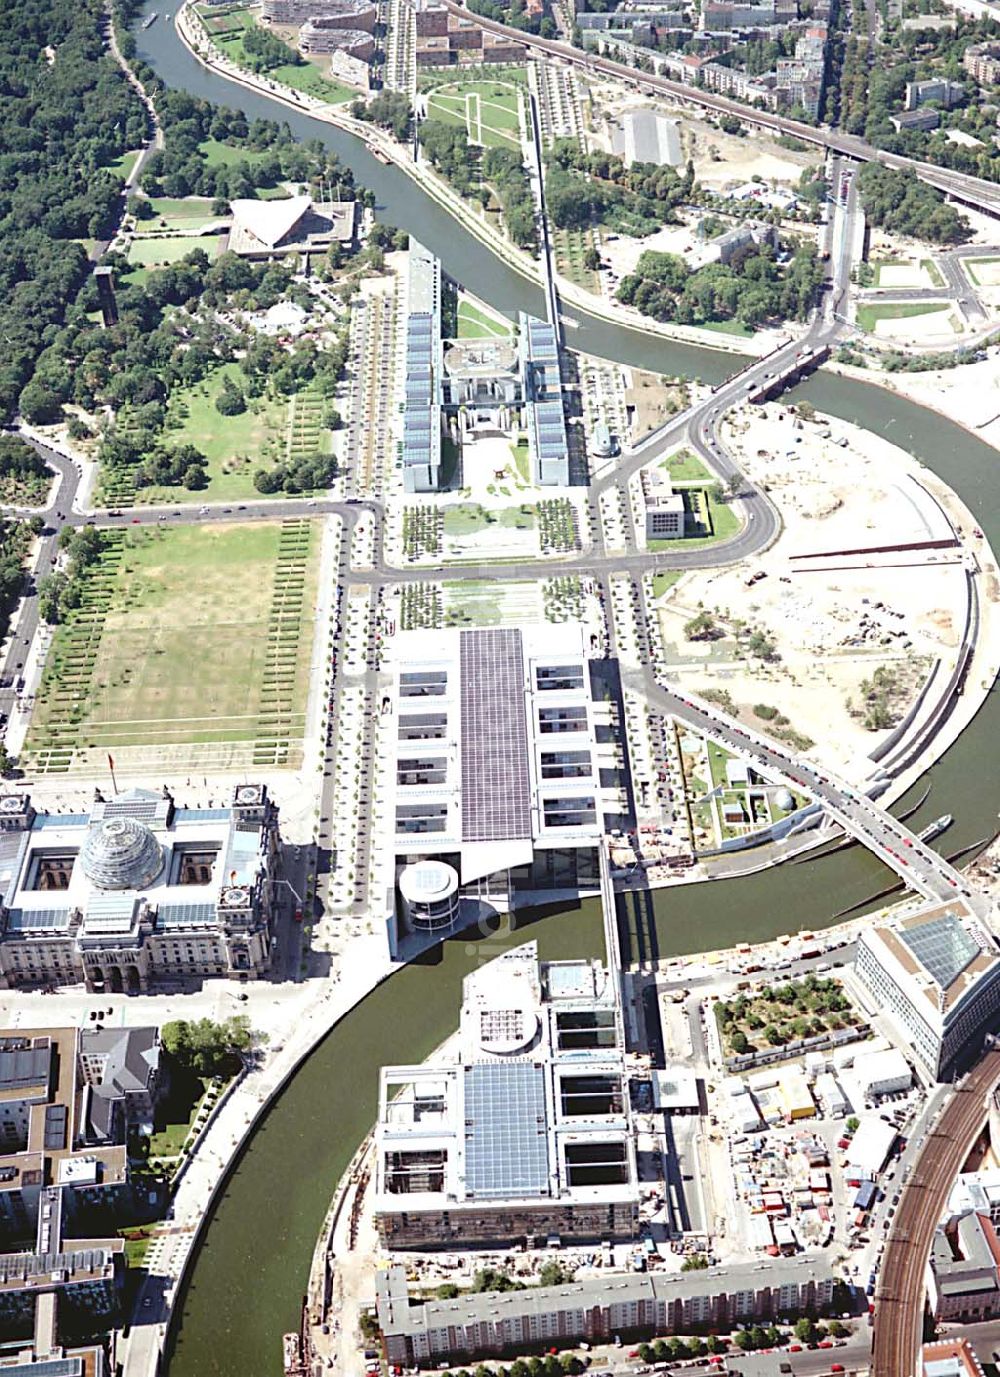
[250,1273]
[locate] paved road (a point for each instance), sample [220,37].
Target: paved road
[899,1299]
[973,191]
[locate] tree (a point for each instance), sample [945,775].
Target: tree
[734,484]
[592,260]
[230,401]
[738,1042]
[553,1273]
[805,1330]
[694,1262]
[205,1047]
[447,1291]
[742,1340]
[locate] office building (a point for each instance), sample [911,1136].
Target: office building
[527,1134]
[982,62]
[939,89]
[548,444]
[963,1275]
[497,763]
[122,1081]
[46,1137]
[330,36]
[665,512]
[421,441]
[596,1310]
[925,119]
[137,890]
[352,14]
[935,975]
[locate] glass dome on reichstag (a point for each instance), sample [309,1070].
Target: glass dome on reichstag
[121,853]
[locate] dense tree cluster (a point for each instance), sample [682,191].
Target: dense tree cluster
[19,460]
[515,13]
[182,169]
[308,474]
[205,1047]
[751,289]
[902,204]
[390,110]
[869,88]
[483,173]
[582,189]
[264,50]
[62,122]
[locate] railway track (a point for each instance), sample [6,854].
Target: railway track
[899,1298]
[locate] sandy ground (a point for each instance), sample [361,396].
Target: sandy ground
[720,159]
[832,620]
[908,274]
[987,272]
[969,395]
[936,326]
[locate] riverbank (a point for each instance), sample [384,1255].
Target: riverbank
[383,146]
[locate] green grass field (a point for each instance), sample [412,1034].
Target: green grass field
[189,213]
[187,636]
[151,252]
[870,315]
[487,109]
[664,580]
[708,520]
[218,154]
[474,603]
[123,166]
[475,323]
[685,467]
[570,246]
[305,77]
[466,518]
[235,446]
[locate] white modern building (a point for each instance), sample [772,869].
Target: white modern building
[136,890]
[935,974]
[293,224]
[526,1133]
[882,1073]
[664,507]
[497,766]
[870,1146]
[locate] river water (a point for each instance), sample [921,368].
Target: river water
[250,1273]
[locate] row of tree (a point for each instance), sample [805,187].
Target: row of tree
[581,188]
[62,590]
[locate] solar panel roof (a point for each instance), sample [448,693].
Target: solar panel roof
[46,1367]
[506,1142]
[496,794]
[943,948]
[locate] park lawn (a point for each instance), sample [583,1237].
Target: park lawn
[219,154]
[685,467]
[150,252]
[570,247]
[492,120]
[186,643]
[509,75]
[870,315]
[304,76]
[664,580]
[726,327]
[933,272]
[26,492]
[475,323]
[122,166]
[722,521]
[235,446]
[522,461]
[467,517]
[186,213]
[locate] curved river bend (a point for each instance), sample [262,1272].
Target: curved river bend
[251,1269]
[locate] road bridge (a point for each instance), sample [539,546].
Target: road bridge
[918,865]
[971,191]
